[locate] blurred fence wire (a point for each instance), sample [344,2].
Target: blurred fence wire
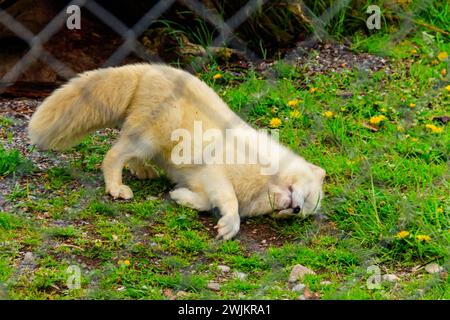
[226,29]
[130,36]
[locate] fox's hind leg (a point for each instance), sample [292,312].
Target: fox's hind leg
[187,198]
[124,150]
[141,170]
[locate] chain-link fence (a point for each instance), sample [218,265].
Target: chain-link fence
[131,44]
[130,35]
[226,30]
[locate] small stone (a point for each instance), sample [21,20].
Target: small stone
[168,293]
[240,275]
[390,278]
[299,287]
[301,297]
[224,269]
[28,257]
[263,241]
[212,285]
[181,294]
[298,272]
[433,268]
[325,282]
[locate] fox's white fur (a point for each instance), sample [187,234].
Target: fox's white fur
[148,102]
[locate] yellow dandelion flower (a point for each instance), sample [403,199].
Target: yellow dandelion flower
[217,76]
[377,119]
[442,56]
[275,123]
[443,72]
[448,88]
[293,103]
[126,262]
[413,51]
[422,237]
[402,234]
[312,90]
[434,128]
[328,114]
[412,105]
[439,210]
[295,114]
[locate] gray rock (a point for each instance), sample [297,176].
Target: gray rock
[298,287]
[298,273]
[181,294]
[433,268]
[28,258]
[212,285]
[224,269]
[240,275]
[390,278]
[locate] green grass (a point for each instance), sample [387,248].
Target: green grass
[381,179]
[12,162]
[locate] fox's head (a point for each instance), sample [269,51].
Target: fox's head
[297,189]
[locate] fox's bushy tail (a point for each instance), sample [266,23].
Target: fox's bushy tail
[93,100]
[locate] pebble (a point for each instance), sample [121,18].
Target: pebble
[223,268]
[181,294]
[298,272]
[325,282]
[433,268]
[28,257]
[212,285]
[168,293]
[298,287]
[240,275]
[390,278]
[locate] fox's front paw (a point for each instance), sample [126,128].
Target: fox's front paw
[120,191]
[228,226]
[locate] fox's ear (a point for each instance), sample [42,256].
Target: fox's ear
[318,171]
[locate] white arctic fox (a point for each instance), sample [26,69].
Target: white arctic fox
[149,102]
